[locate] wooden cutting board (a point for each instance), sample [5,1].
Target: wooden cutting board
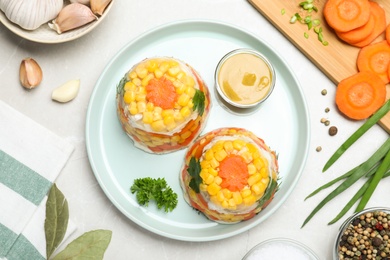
[338,59]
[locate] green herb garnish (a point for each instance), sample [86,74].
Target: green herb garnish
[355,136]
[121,85]
[148,189]
[194,171]
[199,102]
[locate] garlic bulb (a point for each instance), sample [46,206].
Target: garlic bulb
[32,13]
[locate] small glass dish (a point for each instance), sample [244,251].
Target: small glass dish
[375,226]
[280,249]
[244,78]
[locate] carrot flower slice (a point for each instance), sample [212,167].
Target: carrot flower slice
[360,95]
[346,15]
[161,92]
[234,173]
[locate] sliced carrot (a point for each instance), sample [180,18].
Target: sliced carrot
[360,95]
[380,25]
[346,15]
[161,92]
[376,58]
[360,33]
[234,173]
[387,33]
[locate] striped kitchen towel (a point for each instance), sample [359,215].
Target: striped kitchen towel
[31,158]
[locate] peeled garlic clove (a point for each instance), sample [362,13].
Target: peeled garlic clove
[67,91]
[98,6]
[30,73]
[72,16]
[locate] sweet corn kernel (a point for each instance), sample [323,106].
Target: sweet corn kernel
[180,89]
[180,75]
[209,155]
[220,155]
[258,188]
[249,200]
[227,193]
[217,179]
[220,196]
[169,120]
[228,146]
[178,85]
[213,189]
[140,97]
[190,91]
[129,86]
[213,172]
[178,117]
[152,65]
[251,169]
[141,106]
[185,135]
[258,162]
[203,187]
[204,174]
[218,146]
[183,99]
[238,144]
[158,73]
[232,203]
[173,71]
[237,197]
[158,126]
[141,71]
[225,204]
[149,106]
[205,164]
[245,193]
[251,147]
[189,81]
[175,139]
[185,112]
[133,108]
[145,80]
[247,156]
[147,117]
[167,112]
[133,74]
[210,179]
[254,178]
[164,66]
[214,163]
[128,97]
[190,104]
[264,172]
[137,81]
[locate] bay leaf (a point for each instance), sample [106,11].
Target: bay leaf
[56,221]
[90,245]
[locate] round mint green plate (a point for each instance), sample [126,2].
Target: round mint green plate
[282,121]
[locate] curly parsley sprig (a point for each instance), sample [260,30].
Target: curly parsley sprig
[148,189]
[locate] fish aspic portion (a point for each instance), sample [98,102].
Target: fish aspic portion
[162,104]
[229,175]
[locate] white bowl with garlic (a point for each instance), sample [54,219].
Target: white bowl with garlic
[53,21]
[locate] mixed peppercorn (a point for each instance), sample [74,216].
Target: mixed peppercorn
[366,237]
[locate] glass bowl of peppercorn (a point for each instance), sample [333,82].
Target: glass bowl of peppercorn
[364,235]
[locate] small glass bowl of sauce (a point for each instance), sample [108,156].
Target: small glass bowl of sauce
[244,78]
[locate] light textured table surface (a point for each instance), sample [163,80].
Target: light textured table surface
[86,58]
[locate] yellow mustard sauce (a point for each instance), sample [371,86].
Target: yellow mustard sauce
[245,78]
